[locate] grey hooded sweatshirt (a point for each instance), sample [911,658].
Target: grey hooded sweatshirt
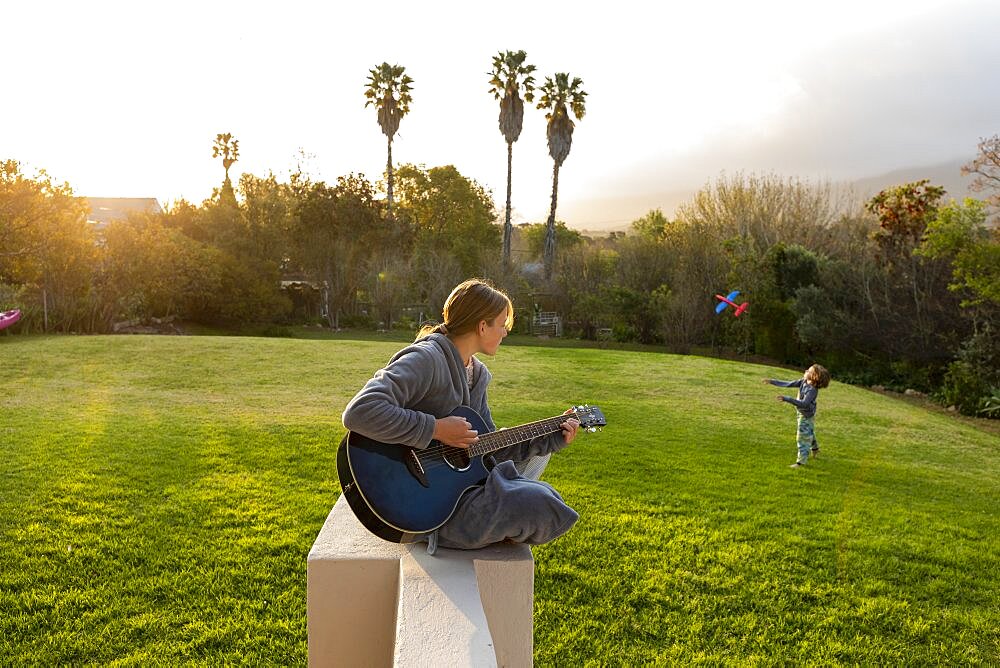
[806,402]
[427,380]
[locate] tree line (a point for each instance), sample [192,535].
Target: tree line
[901,290]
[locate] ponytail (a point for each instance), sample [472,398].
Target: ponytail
[432,328]
[470,303]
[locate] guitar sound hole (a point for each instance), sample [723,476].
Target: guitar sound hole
[457,458]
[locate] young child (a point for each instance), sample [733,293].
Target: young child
[813,380]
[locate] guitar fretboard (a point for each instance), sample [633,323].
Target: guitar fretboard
[525,432]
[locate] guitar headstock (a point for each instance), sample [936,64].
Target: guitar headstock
[590,417]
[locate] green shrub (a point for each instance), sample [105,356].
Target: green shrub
[405,323]
[991,403]
[963,388]
[972,380]
[357,321]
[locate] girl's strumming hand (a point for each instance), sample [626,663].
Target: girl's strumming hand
[455,431]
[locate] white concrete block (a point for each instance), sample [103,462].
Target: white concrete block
[375,603]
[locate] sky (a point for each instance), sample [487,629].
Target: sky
[124,99]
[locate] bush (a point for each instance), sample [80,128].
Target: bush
[972,381]
[357,321]
[963,388]
[908,374]
[895,375]
[405,323]
[991,404]
[624,333]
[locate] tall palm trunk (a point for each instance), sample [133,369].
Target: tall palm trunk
[550,226]
[507,228]
[388,170]
[332,311]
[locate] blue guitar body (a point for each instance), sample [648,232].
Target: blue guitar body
[392,500]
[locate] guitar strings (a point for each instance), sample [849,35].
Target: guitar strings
[437,451]
[434,453]
[486,438]
[548,425]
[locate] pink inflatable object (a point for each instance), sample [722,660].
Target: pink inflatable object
[8,318]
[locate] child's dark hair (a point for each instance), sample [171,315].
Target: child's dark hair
[818,376]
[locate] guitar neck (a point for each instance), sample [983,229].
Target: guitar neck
[505,437]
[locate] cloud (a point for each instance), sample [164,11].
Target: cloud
[921,93]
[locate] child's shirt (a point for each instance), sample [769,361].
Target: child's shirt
[806,403]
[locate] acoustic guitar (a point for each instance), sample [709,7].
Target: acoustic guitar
[401,493]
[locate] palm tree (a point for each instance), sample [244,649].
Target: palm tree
[229,148]
[389,90]
[556,95]
[510,76]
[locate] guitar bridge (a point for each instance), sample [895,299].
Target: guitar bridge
[415,468]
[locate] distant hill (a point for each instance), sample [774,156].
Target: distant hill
[945,174]
[598,216]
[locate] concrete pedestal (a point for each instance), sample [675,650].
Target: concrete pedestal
[375,603]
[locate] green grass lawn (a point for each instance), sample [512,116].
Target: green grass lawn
[159,495]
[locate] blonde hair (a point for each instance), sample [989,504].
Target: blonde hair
[818,376]
[470,303]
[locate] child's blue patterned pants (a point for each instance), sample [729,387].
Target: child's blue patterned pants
[806,438]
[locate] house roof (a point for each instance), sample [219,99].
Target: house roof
[103,210]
